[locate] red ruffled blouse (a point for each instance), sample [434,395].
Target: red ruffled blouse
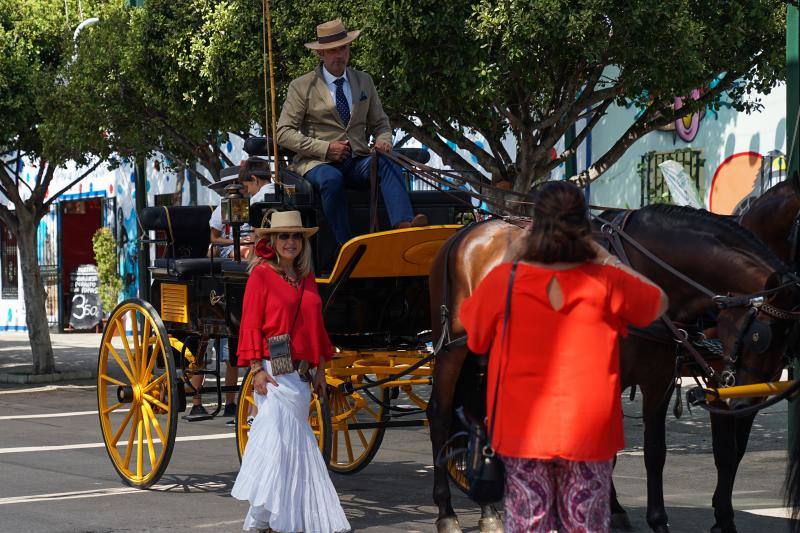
[268,310]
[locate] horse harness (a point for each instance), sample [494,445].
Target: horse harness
[754,333]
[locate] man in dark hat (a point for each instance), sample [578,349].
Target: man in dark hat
[327,119]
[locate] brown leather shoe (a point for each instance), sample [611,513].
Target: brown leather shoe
[403,225]
[419,220]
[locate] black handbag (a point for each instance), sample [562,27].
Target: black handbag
[484,470]
[280,350]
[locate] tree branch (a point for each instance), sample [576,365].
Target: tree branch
[484,158]
[449,156]
[651,119]
[597,114]
[203,179]
[40,212]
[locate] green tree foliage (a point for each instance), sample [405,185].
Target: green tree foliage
[105,255]
[145,77]
[176,74]
[35,44]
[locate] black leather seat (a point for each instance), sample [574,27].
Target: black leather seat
[186,229]
[197,265]
[230,266]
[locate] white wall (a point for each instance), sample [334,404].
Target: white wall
[720,135]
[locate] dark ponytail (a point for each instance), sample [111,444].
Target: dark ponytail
[561,230]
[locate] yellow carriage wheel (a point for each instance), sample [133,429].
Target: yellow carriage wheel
[137,393]
[356,428]
[457,465]
[318,418]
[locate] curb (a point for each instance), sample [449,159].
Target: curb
[27,379]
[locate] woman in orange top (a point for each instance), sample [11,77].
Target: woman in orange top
[558,411]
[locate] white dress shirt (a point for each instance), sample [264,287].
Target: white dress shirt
[330,79]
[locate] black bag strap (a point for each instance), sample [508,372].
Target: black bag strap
[511,276]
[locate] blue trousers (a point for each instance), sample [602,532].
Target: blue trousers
[333,179]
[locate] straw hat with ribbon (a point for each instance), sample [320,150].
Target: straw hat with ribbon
[285,222]
[332,34]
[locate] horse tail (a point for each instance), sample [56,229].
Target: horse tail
[792,485]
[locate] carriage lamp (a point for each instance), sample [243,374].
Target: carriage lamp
[235,207]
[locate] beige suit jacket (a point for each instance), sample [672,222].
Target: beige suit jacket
[309,121]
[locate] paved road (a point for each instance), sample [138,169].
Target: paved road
[48,484]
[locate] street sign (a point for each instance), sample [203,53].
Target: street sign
[85,306]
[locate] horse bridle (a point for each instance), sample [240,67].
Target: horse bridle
[753,333]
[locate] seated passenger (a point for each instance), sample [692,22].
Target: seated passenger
[327,119]
[255,176]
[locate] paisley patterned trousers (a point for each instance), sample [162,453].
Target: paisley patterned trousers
[557,495]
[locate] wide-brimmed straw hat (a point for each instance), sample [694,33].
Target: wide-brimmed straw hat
[332,34]
[285,222]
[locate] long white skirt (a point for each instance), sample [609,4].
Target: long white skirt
[283,474]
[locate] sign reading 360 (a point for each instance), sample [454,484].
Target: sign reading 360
[86,309]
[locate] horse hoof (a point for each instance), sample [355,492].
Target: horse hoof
[716,528]
[621,522]
[661,528]
[448,524]
[491,524]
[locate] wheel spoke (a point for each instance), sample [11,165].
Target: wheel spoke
[156,402]
[335,447]
[129,450]
[135,331]
[151,452]
[121,364]
[349,446]
[111,380]
[154,420]
[371,411]
[131,358]
[125,421]
[139,449]
[147,360]
[112,408]
[155,383]
[363,439]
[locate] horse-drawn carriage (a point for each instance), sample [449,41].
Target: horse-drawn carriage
[376,309]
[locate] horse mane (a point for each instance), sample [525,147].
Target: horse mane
[723,228]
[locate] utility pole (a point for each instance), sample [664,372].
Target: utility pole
[141,202]
[144,249]
[793,152]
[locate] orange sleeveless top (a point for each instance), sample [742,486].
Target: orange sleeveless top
[559,370]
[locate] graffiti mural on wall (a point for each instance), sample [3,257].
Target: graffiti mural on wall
[743,176]
[686,127]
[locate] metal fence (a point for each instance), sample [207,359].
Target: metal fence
[654,187]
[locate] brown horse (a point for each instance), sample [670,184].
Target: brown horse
[733,261]
[772,217]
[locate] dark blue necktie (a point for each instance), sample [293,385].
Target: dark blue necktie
[341,102]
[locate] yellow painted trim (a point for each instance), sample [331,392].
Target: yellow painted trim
[756,390]
[175,303]
[390,254]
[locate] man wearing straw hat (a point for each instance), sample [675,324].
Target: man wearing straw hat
[327,119]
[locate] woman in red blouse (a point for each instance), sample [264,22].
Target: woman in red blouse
[283,474]
[558,413]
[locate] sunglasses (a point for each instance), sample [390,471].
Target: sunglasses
[287,236]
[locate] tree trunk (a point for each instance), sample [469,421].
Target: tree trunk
[35,296]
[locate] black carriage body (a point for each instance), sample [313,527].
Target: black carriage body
[201,298]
